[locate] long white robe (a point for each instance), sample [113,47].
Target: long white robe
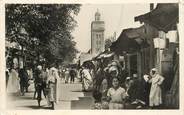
[54,88]
[87,80]
[155,97]
[13,82]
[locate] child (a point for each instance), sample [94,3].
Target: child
[116,95]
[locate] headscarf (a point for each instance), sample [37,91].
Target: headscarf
[39,67]
[154,70]
[113,68]
[53,74]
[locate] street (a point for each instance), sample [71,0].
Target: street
[71,96]
[85,59]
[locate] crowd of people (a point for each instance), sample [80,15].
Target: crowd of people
[46,81]
[112,88]
[110,85]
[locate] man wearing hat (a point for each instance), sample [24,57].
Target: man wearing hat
[113,72]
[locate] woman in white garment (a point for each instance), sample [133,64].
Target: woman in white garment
[155,97]
[116,95]
[13,82]
[53,84]
[87,82]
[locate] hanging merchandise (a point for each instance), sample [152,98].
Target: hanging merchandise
[172,36]
[162,34]
[156,42]
[162,43]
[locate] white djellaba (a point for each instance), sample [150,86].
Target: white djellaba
[155,97]
[54,81]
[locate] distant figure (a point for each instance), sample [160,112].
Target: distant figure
[13,82]
[67,75]
[72,75]
[23,75]
[7,76]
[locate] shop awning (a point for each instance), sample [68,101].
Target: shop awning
[105,54]
[164,17]
[130,40]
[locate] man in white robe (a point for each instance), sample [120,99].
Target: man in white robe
[156,80]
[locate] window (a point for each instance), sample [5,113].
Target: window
[97,49]
[96,36]
[99,36]
[99,42]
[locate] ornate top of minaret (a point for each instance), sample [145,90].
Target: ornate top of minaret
[97,15]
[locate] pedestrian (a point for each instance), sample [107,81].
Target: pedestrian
[67,75]
[23,75]
[155,97]
[72,75]
[13,82]
[41,84]
[87,82]
[62,74]
[116,95]
[7,76]
[53,84]
[30,73]
[37,72]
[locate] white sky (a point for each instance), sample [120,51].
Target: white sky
[116,16]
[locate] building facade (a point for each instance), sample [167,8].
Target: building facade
[97,35]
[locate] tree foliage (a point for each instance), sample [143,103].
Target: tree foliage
[43,29]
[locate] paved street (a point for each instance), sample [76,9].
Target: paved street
[71,97]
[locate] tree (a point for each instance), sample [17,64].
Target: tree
[43,29]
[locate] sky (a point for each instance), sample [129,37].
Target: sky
[116,17]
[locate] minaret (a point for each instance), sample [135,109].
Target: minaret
[97,35]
